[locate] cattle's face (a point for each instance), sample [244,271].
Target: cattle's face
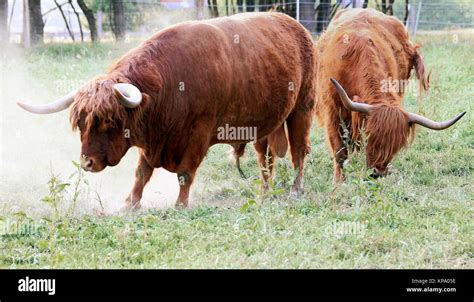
[389,128]
[107,113]
[379,170]
[388,131]
[103,144]
[104,120]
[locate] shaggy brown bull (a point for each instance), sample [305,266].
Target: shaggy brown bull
[172,96]
[367,51]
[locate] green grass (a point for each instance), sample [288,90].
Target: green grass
[421,216]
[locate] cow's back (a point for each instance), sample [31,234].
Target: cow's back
[244,70]
[361,48]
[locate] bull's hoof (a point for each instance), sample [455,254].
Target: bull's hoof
[181,205]
[296,193]
[129,208]
[338,180]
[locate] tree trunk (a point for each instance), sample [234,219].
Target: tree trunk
[290,8]
[213,10]
[307,14]
[119,19]
[3,21]
[90,19]
[390,7]
[216,10]
[71,34]
[384,6]
[250,5]
[231,5]
[78,19]
[323,11]
[405,19]
[240,6]
[36,24]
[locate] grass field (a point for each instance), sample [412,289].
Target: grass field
[420,216]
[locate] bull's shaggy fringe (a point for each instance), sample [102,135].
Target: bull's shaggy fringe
[86,111]
[389,130]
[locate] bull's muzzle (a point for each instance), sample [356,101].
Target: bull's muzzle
[86,163]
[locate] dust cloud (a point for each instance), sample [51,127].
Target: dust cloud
[32,146]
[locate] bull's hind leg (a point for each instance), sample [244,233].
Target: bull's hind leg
[143,174]
[299,126]
[265,159]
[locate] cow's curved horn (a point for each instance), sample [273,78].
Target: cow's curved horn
[129,95]
[56,106]
[426,122]
[350,105]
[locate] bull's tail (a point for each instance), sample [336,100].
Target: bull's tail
[238,151]
[278,142]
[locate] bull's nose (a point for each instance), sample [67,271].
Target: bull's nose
[377,173]
[86,163]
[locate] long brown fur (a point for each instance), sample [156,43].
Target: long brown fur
[196,77]
[361,49]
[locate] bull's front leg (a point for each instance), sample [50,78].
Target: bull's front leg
[143,174]
[192,157]
[339,152]
[185,180]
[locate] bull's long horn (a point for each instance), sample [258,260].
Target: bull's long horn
[129,95]
[426,122]
[350,105]
[56,106]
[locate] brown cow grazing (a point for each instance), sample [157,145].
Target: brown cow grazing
[363,49]
[178,93]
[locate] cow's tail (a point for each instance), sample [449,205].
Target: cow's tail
[238,151]
[421,74]
[278,142]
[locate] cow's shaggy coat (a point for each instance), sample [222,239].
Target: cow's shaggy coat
[248,70]
[363,49]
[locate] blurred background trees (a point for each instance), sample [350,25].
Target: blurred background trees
[3,21]
[91,21]
[94,20]
[34,23]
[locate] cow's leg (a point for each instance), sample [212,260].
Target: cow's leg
[299,127]
[142,176]
[339,151]
[265,159]
[185,180]
[192,157]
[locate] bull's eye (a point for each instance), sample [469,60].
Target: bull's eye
[107,125]
[80,124]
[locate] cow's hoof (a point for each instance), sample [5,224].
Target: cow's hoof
[180,206]
[129,208]
[295,194]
